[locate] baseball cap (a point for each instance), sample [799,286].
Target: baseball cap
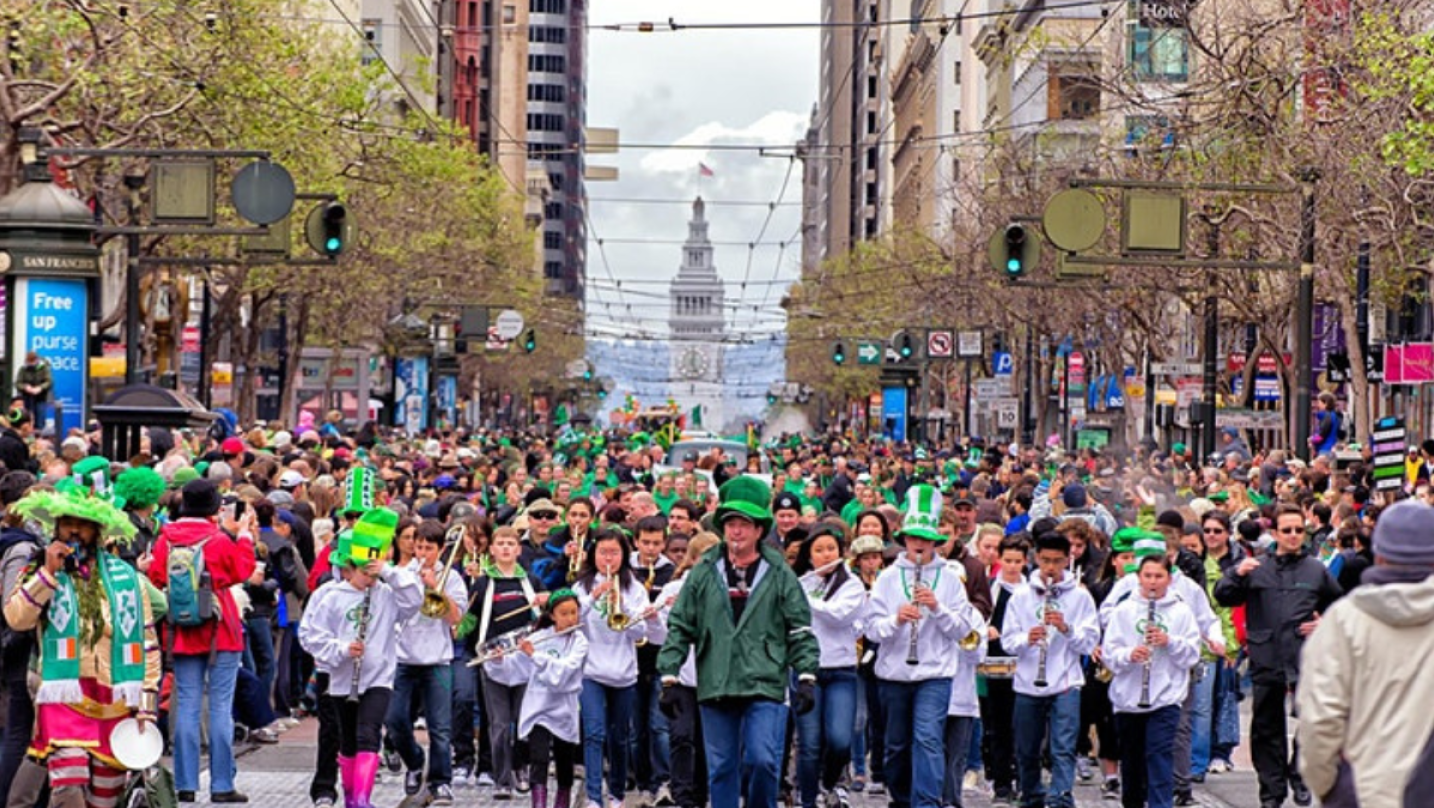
[232,447]
[291,479]
[787,501]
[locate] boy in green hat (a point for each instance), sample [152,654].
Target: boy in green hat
[919,614]
[744,611]
[350,628]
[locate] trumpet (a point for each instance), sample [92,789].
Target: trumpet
[616,619]
[435,602]
[578,558]
[971,641]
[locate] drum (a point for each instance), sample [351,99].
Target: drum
[998,668]
[136,750]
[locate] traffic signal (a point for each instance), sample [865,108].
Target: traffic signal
[601,393]
[771,399]
[1014,250]
[327,228]
[530,341]
[904,345]
[588,374]
[839,353]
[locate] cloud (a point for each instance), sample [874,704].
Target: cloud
[778,128]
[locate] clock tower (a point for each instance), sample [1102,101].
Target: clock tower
[698,323]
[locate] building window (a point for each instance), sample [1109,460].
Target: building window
[510,13]
[553,211]
[1147,132]
[373,40]
[548,6]
[555,93]
[552,34]
[547,63]
[552,240]
[956,70]
[1158,54]
[556,180]
[1073,98]
[544,122]
[553,270]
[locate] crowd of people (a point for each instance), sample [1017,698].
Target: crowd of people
[918,623]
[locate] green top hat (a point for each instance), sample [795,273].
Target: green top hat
[923,514]
[1152,545]
[747,497]
[370,539]
[1124,539]
[358,493]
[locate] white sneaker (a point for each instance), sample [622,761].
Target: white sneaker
[1084,770]
[664,797]
[840,798]
[462,776]
[485,780]
[971,782]
[613,802]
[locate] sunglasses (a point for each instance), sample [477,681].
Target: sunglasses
[1291,530]
[543,515]
[1216,530]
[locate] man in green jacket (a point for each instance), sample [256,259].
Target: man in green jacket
[33,383]
[744,611]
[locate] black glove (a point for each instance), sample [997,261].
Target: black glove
[804,698]
[668,702]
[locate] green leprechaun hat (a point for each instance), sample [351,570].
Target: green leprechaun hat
[747,497]
[923,514]
[358,492]
[369,539]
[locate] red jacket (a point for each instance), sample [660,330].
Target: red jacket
[228,561]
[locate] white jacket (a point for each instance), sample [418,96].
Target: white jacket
[1194,596]
[687,675]
[1366,676]
[965,703]
[612,655]
[835,618]
[554,686]
[1169,667]
[331,621]
[1026,610]
[938,633]
[429,640]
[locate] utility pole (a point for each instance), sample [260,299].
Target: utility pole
[1028,417]
[1304,314]
[1212,337]
[132,183]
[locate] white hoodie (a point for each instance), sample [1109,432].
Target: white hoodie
[554,684]
[1026,610]
[687,676]
[938,633]
[1169,667]
[612,655]
[429,640]
[1195,597]
[835,619]
[965,703]
[331,621]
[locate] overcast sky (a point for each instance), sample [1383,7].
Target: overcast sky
[696,87]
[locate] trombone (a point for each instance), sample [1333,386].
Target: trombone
[435,602]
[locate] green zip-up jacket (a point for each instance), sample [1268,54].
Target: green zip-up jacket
[752,658]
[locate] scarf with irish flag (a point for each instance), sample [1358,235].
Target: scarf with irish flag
[60,637]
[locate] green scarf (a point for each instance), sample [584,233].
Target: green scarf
[60,637]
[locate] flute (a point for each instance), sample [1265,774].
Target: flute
[362,631]
[1046,641]
[911,658]
[1144,703]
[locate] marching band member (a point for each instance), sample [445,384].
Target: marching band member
[867,562]
[689,762]
[549,721]
[506,597]
[962,713]
[919,614]
[652,752]
[425,649]
[1151,644]
[1049,625]
[350,628]
[997,720]
[613,606]
[836,597]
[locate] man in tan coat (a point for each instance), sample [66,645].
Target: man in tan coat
[1369,669]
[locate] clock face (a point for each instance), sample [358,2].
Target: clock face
[692,363]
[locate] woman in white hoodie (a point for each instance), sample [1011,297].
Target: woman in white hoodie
[549,719]
[609,696]
[1150,645]
[836,597]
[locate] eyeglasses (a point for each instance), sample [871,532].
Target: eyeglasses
[1216,530]
[1291,530]
[543,515]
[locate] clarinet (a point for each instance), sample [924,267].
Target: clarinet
[1045,643]
[362,631]
[1145,670]
[915,624]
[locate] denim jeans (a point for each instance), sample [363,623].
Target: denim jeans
[915,741]
[435,682]
[606,716]
[1034,716]
[1226,712]
[260,638]
[1147,744]
[1202,707]
[858,731]
[960,730]
[824,733]
[744,751]
[651,746]
[973,753]
[875,726]
[464,707]
[190,674]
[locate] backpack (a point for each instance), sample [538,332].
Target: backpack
[191,588]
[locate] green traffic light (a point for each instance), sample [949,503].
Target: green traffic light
[333,244]
[1013,265]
